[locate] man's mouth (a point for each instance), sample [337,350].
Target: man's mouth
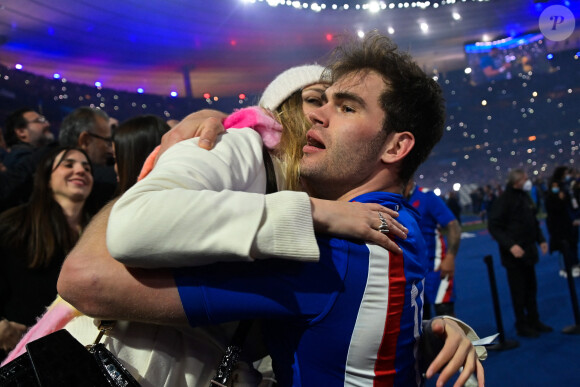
[315,143]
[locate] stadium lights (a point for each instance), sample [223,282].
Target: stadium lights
[367,6]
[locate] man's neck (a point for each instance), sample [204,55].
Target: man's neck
[330,192]
[348,196]
[411,187]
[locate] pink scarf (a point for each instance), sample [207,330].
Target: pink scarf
[57,315]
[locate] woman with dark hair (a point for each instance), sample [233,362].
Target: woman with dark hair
[562,221]
[35,238]
[133,141]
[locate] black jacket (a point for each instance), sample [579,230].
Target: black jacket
[17,182]
[559,222]
[512,220]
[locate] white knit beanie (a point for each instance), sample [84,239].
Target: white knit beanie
[287,83]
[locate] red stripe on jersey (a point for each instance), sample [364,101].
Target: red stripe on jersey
[385,365]
[449,292]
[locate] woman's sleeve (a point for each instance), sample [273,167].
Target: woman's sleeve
[198,207]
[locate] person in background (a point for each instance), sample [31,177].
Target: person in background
[487,199]
[514,226]
[133,141]
[28,140]
[35,238]
[476,199]
[562,221]
[113,124]
[89,129]
[536,193]
[494,66]
[435,215]
[454,205]
[26,131]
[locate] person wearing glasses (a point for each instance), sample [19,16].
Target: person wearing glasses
[88,129]
[26,130]
[28,139]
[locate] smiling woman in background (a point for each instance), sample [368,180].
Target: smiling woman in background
[35,238]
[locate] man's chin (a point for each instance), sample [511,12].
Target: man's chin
[305,167]
[309,172]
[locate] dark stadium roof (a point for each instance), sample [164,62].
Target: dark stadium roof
[234,46]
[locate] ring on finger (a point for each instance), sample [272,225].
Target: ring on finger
[384,227]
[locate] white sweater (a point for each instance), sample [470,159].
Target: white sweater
[198,207]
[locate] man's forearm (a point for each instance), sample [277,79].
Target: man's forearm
[97,285]
[453,237]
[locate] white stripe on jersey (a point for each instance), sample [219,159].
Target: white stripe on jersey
[443,286]
[438,250]
[418,321]
[370,322]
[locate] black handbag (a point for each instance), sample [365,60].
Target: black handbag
[59,360]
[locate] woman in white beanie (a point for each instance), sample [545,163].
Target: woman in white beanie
[291,96]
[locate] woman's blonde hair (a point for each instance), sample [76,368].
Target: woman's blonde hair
[290,114]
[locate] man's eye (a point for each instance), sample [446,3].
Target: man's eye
[347,109]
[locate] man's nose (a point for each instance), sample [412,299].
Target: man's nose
[317,117]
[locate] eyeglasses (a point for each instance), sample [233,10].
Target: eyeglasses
[108,140]
[39,120]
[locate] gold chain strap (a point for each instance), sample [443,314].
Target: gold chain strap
[104,326]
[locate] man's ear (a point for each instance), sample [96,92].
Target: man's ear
[21,133]
[84,140]
[398,145]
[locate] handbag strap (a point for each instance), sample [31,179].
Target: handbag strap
[231,355]
[104,326]
[271,184]
[233,351]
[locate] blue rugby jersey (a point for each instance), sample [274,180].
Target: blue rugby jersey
[351,319]
[433,212]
